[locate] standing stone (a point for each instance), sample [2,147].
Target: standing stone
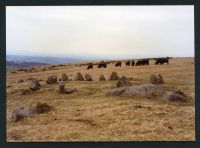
[52,79]
[43,108]
[123,81]
[114,76]
[35,85]
[160,79]
[79,77]
[61,87]
[102,78]
[64,77]
[153,79]
[64,90]
[156,79]
[88,77]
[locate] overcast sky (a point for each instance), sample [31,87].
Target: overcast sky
[100,31]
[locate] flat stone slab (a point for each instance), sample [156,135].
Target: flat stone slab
[138,90]
[23,112]
[146,90]
[116,91]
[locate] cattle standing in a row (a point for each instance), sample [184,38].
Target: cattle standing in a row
[103,64]
[142,62]
[118,64]
[162,61]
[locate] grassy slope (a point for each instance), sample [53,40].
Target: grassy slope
[89,115]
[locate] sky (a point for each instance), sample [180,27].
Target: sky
[100,31]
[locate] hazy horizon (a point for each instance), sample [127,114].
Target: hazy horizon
[110,32]
[98,58]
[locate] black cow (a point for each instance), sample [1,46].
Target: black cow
[161,61]
[102,65]
[128,63]
[146,61]
[118,64]
[142,62]
[138,63]
[132,63]
[90,66]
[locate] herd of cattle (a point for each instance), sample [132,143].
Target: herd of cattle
[103,64]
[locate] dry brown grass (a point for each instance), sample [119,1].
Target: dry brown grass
[89,115]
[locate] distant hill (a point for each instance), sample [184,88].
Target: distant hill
[18,61]
[21,64]
[46,60]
